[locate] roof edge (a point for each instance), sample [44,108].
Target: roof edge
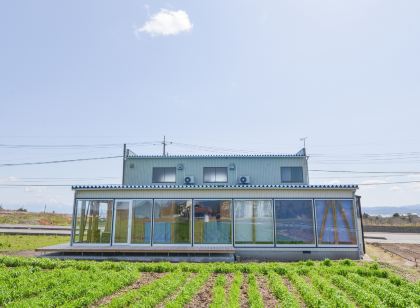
[163,187]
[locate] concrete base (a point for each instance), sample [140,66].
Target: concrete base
[265,254]
[196,258]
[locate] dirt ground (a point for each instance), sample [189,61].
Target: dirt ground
[403,259]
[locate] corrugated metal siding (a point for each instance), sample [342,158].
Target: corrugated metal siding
[225,193]
[262,170]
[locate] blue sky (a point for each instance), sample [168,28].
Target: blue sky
[253,76]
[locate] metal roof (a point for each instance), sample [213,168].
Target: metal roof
[284,186]
[218,156]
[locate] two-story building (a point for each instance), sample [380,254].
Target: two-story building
[245,206]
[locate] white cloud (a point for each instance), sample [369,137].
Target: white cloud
[167,22]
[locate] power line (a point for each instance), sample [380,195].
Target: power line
[365,172]
[59,161]
[388,183]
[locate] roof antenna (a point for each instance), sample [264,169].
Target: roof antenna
[303,151]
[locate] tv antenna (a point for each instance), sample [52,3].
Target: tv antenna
[304,141]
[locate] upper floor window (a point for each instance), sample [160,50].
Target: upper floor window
[291,174]
[164,175]
[215,175]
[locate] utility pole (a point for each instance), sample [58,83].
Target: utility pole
[165,143]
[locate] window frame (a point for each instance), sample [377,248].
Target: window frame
[234,222]
[74,223]
[232,230]
[291,173]
[355,224]
[215,175]
[314,229]
[191,225]
[164,175]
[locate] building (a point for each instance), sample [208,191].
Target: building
[232,206]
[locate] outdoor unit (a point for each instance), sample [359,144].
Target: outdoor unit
[244,179]
[189,180]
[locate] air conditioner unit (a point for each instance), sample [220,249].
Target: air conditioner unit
[189,180]
[244,179]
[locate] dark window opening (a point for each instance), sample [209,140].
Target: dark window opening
[215,175]
[164,175]
[291,174]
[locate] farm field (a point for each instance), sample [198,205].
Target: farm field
[31,282]
[15,243]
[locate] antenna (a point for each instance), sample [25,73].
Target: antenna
[304,141]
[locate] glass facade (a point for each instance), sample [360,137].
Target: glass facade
[212,221]
[246,222]
[335,222]
[254,222]
[294,222]
[141,222]
[172,222]
[93,221]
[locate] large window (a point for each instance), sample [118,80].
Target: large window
[93,221]
[254,222]
[335,222]
[294,222]
[164,175]
[215,175]
[141,222]
[212,222]
[122,215]
[172,222]
[291,174]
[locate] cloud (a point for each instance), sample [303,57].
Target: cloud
[167,22]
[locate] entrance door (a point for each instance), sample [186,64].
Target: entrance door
[122,221]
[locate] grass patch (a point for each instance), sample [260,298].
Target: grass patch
[13,243]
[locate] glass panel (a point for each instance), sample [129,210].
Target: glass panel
[141,222]
[93,221]
[335,222]
[221,174]
[158,175]
[209,174]
[294,222]
[170,175]
[122,209]
[172,222]
[286,174]
[254,222]
[297,174]
[212,222]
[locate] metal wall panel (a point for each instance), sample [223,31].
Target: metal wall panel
[262,170]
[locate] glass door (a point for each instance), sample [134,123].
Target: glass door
[122,222]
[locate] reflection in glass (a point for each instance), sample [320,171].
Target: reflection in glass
[141,222]
[172,222]
[254,222]
[212,222]
[335,222]
[215,175]
[294,222]
[93,221]
[122,210]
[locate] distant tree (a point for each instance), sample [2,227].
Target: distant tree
[21,209]
[366,215]
[396,215]
[1,207]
